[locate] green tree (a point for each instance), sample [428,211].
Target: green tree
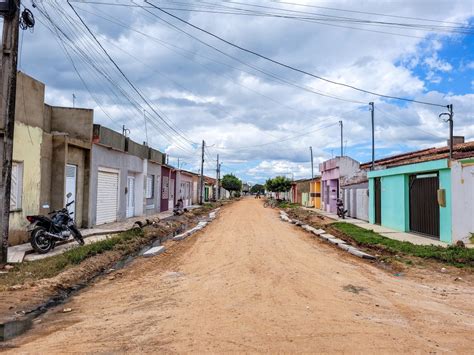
[231,183]
[278,184]
[257,188]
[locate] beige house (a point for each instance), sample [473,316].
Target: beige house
[51,155]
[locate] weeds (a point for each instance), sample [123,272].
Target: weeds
[49,267]
[453,255]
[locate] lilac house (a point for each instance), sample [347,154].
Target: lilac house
[332,171]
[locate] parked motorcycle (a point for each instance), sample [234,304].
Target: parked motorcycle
[341,212]
[45,232]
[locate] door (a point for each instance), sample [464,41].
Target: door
[424,209]
[71,186]
[378,201]
[171,199]
[130,196]
[107,197]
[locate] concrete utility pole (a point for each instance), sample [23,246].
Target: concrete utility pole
[7,120]
[218,173]
[372,108]
[342,141]
[201,187]
[312,166]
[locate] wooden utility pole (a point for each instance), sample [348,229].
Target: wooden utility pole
[7,120]
[201,188]
[312,166]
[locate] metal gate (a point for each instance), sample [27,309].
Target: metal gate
[378,201]
[424,209]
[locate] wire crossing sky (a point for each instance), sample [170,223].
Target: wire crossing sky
[260,81]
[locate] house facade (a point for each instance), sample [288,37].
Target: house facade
[51,155]
[332,172]
[355,195]
[185,187]
[414,192]
[125,178]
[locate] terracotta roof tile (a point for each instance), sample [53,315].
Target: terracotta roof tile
[460,151]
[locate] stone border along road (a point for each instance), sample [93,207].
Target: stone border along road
[157,250]
[321,233]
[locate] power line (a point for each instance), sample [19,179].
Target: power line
[58,30]
[289,66]
[125,77]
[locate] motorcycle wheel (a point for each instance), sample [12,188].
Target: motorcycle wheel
[77,235]
[265,204]
[40,242]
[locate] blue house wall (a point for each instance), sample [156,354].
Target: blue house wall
[395,202]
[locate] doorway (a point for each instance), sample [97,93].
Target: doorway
[130,196]
[71,187]
[424,208]
[378,201]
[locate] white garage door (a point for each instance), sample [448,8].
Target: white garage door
[107,197]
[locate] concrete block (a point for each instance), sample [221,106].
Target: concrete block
[319,231]
[344,246]
[327,236]
[335,241]
[154,251]
[360,254]
[180,237]
[15,256]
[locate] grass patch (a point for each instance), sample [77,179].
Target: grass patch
[453,255]
[49,267]
[286,204]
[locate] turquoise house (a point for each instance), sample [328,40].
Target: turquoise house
[412,192]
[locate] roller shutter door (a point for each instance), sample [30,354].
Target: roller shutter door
[107,197]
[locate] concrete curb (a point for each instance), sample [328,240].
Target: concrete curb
[321,233]
[154,251]
[198,227]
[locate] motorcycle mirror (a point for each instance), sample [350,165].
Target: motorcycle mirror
[69,195]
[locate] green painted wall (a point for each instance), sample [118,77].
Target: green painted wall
[445,228]
[395,195]
[394,202]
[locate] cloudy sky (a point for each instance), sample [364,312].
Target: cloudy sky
[176,86]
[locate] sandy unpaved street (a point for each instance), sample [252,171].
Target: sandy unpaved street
[251,283]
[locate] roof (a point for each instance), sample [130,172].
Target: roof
[316,178]
[209,180]
[460,151]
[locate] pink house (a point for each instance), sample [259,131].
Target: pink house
[332,171]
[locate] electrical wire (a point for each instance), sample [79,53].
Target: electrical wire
[289,66]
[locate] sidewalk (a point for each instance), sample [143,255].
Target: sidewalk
[386,232]
[24,252]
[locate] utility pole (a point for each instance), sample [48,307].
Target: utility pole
[342,144]
[450,114]
[218,172]
[372,108]
[201,187]
[73,100]
[146,129]
[7,120]
[312,167]
[178,163]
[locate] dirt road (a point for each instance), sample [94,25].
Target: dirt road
[250,283]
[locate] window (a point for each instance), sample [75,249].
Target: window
[150,186]
[16,186]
